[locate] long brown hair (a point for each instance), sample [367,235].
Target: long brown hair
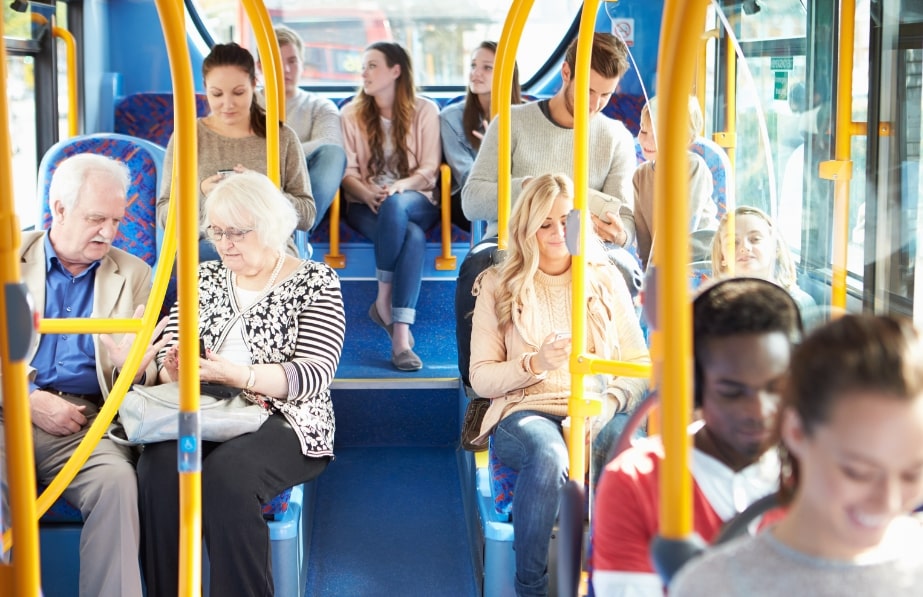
[472,117]
[401,115]
[233,55]
[853,353]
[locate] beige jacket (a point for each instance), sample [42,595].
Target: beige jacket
[122,283]
[613,332]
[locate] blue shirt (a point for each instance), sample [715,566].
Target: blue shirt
[66,362]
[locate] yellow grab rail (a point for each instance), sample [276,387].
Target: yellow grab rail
[70,46]
[271,60]
[839,169]
[445,261]
[186,199]
[671,199]
[70,52]
[504,63]
[23,577]
[579,408]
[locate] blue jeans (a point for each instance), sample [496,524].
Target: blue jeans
[398,232]
[532,443]
[326,165]
[605,441]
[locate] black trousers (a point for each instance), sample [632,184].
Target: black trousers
[238,476]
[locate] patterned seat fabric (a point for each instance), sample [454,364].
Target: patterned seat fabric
[137,234]
[717,161]
[278,505]
[150,115]
[502,481]
[627,109]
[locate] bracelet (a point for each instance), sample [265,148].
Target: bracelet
[251,380]
[526,364]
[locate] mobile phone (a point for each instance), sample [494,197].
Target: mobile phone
[226,173]
[561,336]
[201,348]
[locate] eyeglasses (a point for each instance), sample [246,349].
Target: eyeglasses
[233,234]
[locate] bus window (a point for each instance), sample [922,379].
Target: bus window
[334,40]
[439,36]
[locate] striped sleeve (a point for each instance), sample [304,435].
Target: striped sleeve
[321,330]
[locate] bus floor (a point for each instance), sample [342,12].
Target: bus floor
[389,516]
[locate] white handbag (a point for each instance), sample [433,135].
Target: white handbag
[149,414]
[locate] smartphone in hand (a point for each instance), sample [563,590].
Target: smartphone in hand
[202,348]
[561,336]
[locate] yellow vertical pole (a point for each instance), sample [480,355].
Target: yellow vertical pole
[504,64]
[70,46]
[186,194]
[271,60]
[671,208]
[840,169]
[577,407]
[730,141]
[17,423]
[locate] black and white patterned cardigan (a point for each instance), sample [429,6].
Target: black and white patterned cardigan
[299,324]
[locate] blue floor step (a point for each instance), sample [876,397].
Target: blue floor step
[390,521]
[366,359]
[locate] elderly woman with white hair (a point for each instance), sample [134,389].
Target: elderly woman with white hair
[273,325]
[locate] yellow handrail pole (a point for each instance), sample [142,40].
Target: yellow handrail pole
[70,51]
[89,326]
[445,260]
[730,142]
[70,46]
[700,66]
[671,209]
[189,455]
[334,258]
[17,423]
[577,407]
[504,63]
[268,47]
[839,170]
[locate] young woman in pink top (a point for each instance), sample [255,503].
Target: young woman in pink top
[393,151]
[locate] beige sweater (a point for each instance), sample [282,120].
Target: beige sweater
[496,370]
[217,152]
[702,209]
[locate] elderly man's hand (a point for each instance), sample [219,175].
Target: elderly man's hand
[56,415]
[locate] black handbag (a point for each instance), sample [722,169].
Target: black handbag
[471,426]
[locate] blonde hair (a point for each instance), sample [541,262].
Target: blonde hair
[696,120]
[517,270]
[783,272]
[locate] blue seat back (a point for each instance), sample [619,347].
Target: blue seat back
[137,234]
[150,115]
[720,166]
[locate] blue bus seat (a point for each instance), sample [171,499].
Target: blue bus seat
[626,108]
[137,232]
[720,166]
[150,115]
[498,533]
[502,482]
[288,518]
